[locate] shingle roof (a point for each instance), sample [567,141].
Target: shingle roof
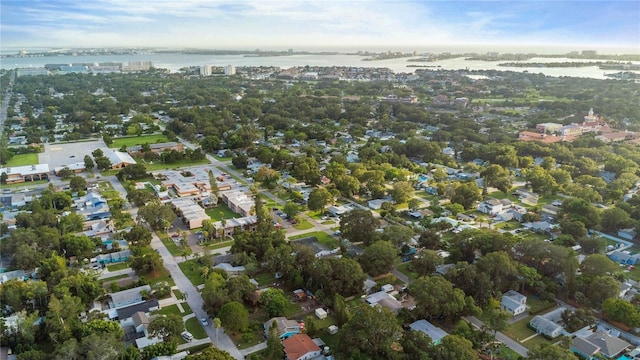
[584,347]
[128,311]
[609,345]
[298,345]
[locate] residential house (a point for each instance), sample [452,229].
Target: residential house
[301,347]
[230,269]
[111,258]
[539,226]
[376,204]
[11,275]
[383,298]
[624,257]
[627,234]
[338,210]
[435,333]
[286,327]
[128,297]
[141,324]
[125,314]
[490,206]
[599,342]
[548,324]
[93,207]
[514,302]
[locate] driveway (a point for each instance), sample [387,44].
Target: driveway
[507,341]
[193,299]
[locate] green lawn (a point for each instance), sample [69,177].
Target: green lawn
[195,328]
[191,269]
[23,160]
[405,268]
[119,266]
[265,278]
[508,226]
[221,211]
[292,310]
[162,275]
[521,330]
[121,276]
[536,305]
[171,245]
[138,140]
[303,225]
[186,308]
[634,274]
[323,238]
[171,309]
[178,294]
[218,244]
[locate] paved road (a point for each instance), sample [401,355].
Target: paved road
[222,341]
[507,341]
[255,348]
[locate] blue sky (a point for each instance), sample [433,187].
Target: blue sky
[356,24]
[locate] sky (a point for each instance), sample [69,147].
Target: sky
[327,24]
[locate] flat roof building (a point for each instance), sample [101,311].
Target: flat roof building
[20,174]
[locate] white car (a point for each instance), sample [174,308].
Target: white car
[204,322]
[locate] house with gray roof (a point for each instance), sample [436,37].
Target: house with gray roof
[599,342]
[128,297]
[435,333]
[548,324]
[514,302]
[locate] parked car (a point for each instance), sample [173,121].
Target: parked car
[204,322]
[187,336]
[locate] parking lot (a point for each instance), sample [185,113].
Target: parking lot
[59,155]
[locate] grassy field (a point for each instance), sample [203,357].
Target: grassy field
[119,266]
[191,269]
[221,211]
[138,140]
[323,238]
[195,328]
[303,225]
[22,160]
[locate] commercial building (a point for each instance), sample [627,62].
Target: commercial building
[20,174]
[230,70]
[239,202]
[190,212]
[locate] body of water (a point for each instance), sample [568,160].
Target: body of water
[174,62]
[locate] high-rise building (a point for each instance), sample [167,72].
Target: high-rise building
[205,70]
[230,70]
